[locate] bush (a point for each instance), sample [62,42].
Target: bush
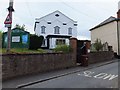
[62,48]
[35,42]
[98,45]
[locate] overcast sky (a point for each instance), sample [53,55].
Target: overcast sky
[87,13]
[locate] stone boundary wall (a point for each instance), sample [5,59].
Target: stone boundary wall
[14,65]
[96,57]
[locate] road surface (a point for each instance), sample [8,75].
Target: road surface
[100,77]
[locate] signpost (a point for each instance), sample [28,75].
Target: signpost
[8,24]
[8,20]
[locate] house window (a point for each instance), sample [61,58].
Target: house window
[64,24]
[75,24]
[43,29]
[70,31]
[60,41]
[56,30]
[57,15]
[49,22]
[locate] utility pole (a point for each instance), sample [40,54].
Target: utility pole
[8,24]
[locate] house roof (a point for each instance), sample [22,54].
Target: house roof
[55,12]
[109,20]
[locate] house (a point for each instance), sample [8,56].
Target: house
[56,28]
[108,31]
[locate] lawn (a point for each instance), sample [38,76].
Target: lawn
[21,51]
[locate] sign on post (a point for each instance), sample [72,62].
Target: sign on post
[8,21]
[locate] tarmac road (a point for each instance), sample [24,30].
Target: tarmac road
[105,76]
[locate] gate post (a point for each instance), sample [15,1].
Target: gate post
[73,45]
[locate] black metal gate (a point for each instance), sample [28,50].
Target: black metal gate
[81,50]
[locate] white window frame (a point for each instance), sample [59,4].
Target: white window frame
[56,30]
[43,29]
[60,41]
[70,31]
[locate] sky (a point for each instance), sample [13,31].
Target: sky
[87,13]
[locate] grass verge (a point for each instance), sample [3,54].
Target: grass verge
[21,51]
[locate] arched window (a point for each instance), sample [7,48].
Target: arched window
[56,30]
[70,31]
[43,29]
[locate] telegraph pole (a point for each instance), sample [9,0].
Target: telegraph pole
[8,24]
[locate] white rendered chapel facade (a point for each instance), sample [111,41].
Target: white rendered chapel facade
[56,28]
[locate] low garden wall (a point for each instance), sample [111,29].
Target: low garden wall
[22,64]
[96,57]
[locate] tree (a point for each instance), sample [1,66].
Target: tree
[20,27]
[98,45]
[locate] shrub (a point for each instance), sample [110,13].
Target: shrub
[35,42]
[98,45]
[62,48]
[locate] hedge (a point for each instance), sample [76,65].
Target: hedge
[35,42]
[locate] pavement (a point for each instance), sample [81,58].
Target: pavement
[23,81]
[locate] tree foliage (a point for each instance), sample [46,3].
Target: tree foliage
[98,45]
[20,27]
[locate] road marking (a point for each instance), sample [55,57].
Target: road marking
[103,76]
[111,77]
[87,74]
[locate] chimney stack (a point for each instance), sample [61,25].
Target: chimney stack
[118,13]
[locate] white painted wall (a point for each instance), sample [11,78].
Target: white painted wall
[107,33]
[55,21]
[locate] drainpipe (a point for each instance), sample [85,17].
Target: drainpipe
[118,28]
[118,37]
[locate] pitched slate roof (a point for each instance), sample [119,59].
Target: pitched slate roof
[109,20]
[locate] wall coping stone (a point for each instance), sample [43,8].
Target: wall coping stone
[5,54]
